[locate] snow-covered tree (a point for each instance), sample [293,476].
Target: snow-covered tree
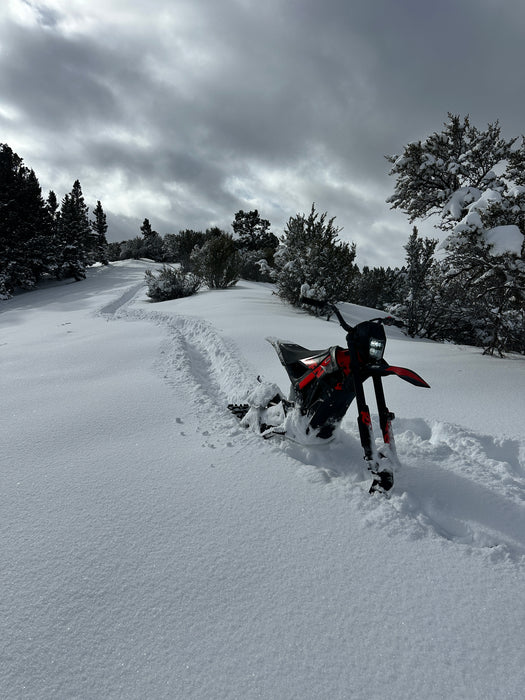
[311,254]
[474,181]
[171,283]
[416,291]
[100,227]
[75,235]
[448,171]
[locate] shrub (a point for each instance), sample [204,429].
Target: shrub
[171,283]
[310,253]
[217,262]
[179,246]
[255,266]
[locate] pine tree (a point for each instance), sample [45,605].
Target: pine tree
[146,229]
[311,254]
[418,294]
[448,171]
[256,244]
[100,227]
[72,261]
[36,250]
[55,245]
[52,205]
[24,225]
[474,180]
[153,247]
[254,233]
[75,235]
[84,229]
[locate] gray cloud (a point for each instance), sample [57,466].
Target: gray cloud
[186,111]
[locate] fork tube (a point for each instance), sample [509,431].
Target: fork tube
[364,421]
[385,416]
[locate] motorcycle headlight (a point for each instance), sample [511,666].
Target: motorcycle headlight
[376,348]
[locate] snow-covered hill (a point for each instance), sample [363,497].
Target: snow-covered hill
[151,548]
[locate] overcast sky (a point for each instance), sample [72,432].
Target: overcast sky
[185,111]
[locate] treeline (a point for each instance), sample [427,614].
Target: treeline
[470,291]
[247,253]
[470,294]
[40,237]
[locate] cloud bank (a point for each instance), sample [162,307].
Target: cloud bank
[187,111]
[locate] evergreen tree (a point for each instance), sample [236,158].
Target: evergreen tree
[418,294]
[33,254]
[72,261]
[114,250]
[448,171]
[153,245]
[494,282]
[171,283]
[180,246]
[254,233]
[133,249]
[474,180]
[100,227]
[377,287]
[25,229]
[256,244]
[213,232]
[53,210]
[311,254]
[217,262]
[146,229]
[75,235]
[52,205]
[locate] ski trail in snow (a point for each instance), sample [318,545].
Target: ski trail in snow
[453,484]
[123,300]
[196,356]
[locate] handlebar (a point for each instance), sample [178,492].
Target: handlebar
[327,305]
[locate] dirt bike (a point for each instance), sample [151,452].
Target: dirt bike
[323,385]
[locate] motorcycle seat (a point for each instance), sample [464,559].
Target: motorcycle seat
[291,352]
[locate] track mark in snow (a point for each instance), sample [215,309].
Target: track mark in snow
[195,358]
[466,488]
[453,484]
[124,299]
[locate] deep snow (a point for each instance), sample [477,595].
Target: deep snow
[151,548]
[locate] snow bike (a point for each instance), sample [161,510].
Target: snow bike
[323,385]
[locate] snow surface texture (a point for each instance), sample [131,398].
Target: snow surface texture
[152,548]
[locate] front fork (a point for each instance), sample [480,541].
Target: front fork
[383,474]
[385,416]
